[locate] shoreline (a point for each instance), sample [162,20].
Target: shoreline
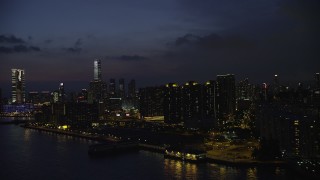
[159,149]
[73,134]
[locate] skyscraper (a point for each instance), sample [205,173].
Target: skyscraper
[112,88]
[61,93]
[18,85]
[97,70]
[132,89]
[132,95]
[276,85]
[225,97]
[98,88]
[121,88]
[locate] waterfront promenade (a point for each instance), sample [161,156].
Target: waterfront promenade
[156,148]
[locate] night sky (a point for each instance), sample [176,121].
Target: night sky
[157,42]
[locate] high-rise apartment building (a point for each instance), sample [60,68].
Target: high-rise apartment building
[18,85]
[209,103]
[151,101]
[172,103]
[225,97]
[191,103]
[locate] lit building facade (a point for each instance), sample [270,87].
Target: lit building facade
[191,102]
[225,97]
[209,103]
[172,103]
[151,101]
[97,70]
[98,88]
[18,85]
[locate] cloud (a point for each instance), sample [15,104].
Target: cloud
[76,47]
[78,42]
[11,39]
[128,58]
[18,49]
[211,41]
[73,50]
[14,44]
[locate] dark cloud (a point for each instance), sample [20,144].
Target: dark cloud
[34,48]
[18,49]
[212,41]
[11,39]
[78,42]
[127,58]
[76,47]
[5,50]
[73,50]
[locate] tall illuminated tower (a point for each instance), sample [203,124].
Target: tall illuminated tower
[97,70]
[98,88]
[18,85]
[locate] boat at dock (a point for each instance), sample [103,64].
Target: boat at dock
[192,155]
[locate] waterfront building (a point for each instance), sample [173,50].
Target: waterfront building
[209,104]
[81,115]
[18,85]
[151,102]
[225,98]
[172,103]
[295,127]
[191,104]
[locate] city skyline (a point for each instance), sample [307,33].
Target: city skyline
[76,86]
[156,43]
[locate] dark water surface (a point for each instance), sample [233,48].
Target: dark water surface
[32,154]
